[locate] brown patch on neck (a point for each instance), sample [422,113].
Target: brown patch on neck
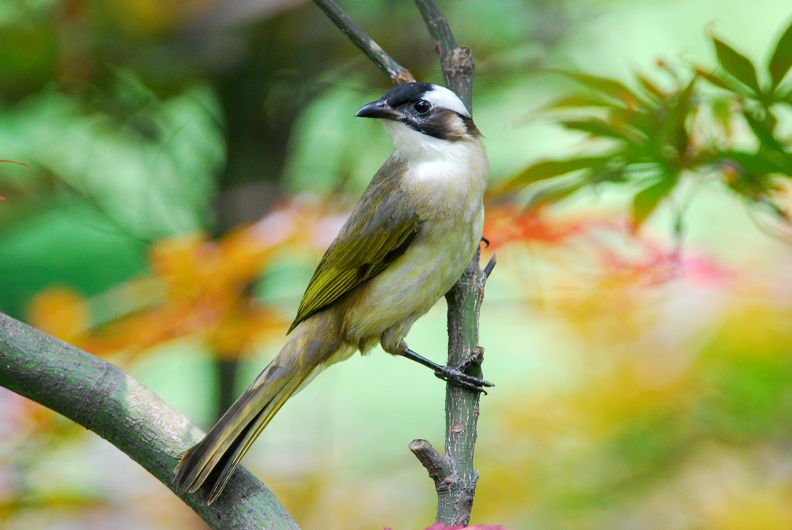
[447,125]
[452,131]
[472,130]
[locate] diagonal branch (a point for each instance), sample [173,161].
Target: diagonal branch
[104,399]
[397,73]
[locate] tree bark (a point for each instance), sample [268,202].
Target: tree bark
[396,72]
[454,474]
[104,399]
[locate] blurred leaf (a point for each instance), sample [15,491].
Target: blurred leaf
[762,127]
[749,397]
[716,80]
[3,197]
[547,169]
[721,111]
[781,60]
[148,181]
[602,128]
[651,88]
[61,312]
[646,201]
[671,134]
[749,162]
[749,174]
[611,88]
[553,193]
[636,121]
[736,64]
[610,172]
[580,100]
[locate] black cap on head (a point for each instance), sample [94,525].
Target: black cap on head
[429,109]
[401,94]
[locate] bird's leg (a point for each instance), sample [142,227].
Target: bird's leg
[447,373]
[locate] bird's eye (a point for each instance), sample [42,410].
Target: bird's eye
[422,106]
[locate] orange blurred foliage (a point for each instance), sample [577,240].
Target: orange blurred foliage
[197,287]
[508,223]
[61,312]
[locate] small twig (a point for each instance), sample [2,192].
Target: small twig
[385,62]
[434,463]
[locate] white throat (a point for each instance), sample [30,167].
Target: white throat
[413,146]
[440,176]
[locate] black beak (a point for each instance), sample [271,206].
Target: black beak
[378,109]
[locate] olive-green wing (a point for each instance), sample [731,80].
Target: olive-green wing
[379,231]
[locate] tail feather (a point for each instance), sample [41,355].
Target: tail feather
[211,462]
[233,456]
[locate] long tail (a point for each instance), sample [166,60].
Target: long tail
[212,461]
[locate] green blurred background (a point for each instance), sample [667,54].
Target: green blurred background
[187,163]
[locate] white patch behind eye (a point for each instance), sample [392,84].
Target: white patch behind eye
[441,97]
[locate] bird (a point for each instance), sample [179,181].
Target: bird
[405,244]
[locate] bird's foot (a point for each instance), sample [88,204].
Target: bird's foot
[455,376]
[460,378]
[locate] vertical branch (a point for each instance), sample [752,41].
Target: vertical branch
[453,473]
[456,61]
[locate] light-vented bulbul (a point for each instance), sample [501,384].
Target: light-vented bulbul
[406,243]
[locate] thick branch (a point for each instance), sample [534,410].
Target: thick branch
[385,62]
[104,399]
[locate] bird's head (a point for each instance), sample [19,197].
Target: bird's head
[418,112]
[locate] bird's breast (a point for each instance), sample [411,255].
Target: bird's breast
[449,184]
[448,196]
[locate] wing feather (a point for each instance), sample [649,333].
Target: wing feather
[377,233]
